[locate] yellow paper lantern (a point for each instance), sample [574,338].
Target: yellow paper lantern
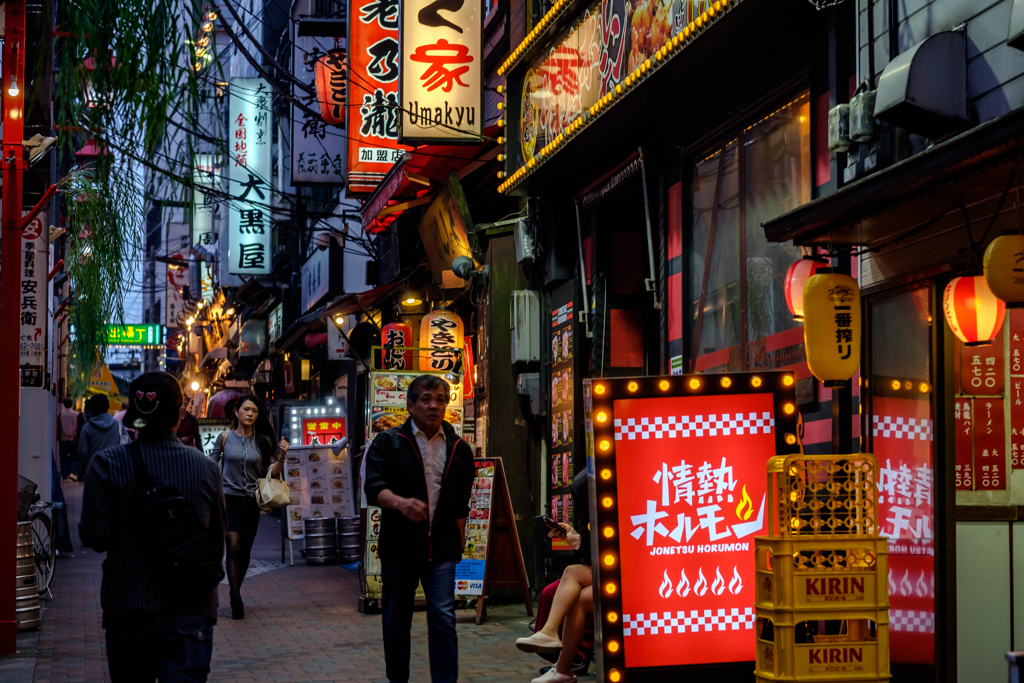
[1004,269]
[832,326]
[442,331]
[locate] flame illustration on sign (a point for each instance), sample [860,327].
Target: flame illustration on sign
[892,584]
[905,587]
[666,586]
[702,584]
[683,587]
[736,585]
[921,587]
[718,587]
[746,507]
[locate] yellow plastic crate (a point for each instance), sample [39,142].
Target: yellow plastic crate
[823,496]
[852,658]
[821,574]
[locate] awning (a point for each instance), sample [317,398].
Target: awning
[964,178]
[220,353]
[411,182]
[354,303]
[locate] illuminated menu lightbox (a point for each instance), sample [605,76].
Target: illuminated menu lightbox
[674,539]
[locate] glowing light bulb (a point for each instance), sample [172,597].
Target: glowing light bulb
[609,532]
[694,383]
[663,385]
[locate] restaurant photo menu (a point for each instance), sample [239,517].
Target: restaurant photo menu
[388,402]
[561,461]
[469,573]
[320,482]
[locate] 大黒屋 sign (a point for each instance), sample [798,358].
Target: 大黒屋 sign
[249,168]
[441,89]
[373,110]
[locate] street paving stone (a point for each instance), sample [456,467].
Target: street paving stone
[301,624]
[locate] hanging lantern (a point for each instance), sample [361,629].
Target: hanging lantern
[331,77]
[832,326]
[972,311]
[441,331]
[394,338]
[92,98]
[796,277]
[1004,269]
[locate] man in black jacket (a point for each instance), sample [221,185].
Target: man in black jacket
[421,474]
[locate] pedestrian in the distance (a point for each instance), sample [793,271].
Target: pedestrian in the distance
[99,433]
[245,453]
[421,474]
[67,433]
[188,430]
[150,635]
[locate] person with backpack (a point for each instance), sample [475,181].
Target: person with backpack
[156,507]
[245,454]
[100,433]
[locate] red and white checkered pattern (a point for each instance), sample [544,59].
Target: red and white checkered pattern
[903,427]
[673,427]
[710,620]
[911,621]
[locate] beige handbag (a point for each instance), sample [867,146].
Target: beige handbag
[271,492]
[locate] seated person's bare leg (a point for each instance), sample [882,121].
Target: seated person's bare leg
[572,631]
[575,578]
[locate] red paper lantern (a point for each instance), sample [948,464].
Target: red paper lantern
[796,277]
[331,77]
[396,336]
[972,311]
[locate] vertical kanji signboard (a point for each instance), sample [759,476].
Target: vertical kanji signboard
[318,143]
[675,523]
[373,109]
[249,168]
[442,82]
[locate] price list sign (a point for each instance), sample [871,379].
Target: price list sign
[1015,390]
[980,412]
[561,462]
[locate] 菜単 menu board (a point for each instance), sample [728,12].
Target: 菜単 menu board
[469,573]
[388,402]
[979,413]
[561,462]
[321,486]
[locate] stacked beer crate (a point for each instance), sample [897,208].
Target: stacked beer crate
[822,602]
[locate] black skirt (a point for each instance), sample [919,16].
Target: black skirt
[243,515]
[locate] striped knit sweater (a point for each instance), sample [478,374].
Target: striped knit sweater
[110,522]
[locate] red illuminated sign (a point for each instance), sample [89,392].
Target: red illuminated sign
[323,430]
[690,504]
[674,539]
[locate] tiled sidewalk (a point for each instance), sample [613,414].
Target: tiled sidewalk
[301,625]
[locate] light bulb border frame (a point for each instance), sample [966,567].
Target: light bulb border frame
[519,54]
[615,389]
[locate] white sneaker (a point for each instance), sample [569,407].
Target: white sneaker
[552,676]
[539,642]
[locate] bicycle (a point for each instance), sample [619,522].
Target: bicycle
[43,546]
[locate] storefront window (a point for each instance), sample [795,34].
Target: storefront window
[762,172]
[901,429]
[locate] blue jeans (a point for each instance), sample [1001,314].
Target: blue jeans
[165,646]
[399,585]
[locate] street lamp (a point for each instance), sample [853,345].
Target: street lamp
[195,386]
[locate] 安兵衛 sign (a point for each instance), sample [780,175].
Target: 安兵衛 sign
[441,76]
[675,529]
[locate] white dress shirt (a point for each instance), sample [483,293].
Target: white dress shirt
[432,451]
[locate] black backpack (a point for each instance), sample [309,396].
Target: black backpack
[177,543]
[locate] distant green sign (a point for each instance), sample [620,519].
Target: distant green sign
[135,335]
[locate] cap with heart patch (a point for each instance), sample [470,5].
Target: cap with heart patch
[154,401]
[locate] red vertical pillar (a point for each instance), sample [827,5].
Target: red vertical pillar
[10,285]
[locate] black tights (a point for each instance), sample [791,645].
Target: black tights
[238,555]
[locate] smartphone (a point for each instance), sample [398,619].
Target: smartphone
[552,524]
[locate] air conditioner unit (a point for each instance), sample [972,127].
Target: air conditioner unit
[526,324]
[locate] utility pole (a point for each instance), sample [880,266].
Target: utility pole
[13,84]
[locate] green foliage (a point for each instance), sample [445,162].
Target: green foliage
[136,57]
